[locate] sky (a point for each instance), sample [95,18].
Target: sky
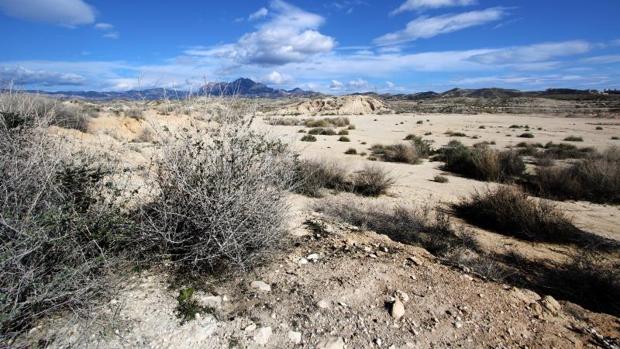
[339,46]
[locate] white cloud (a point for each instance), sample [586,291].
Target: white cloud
[604,59]
[277,78]
[412,5]
[336,85]
[262,12]
[534,53]
[104,26]
[390,85]
[291,35]
[358,84]
[426,27]
[23,76]
[64,12]
[111,35]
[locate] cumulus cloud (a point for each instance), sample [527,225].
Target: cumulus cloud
[64,12]
[262,12]
[277,78]
[533,53]
[427,27]
[23,76]
[413,5]
[336,85]
[358,84]
[290,35]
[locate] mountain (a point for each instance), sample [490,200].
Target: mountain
[242,87]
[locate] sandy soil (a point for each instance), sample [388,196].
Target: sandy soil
[332,287]
[414,182]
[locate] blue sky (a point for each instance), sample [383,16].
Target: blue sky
[335,46]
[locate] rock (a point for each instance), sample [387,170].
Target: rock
[458,324]
[551,305]
[324,304]
[331,343]
[415,260]
[525,295]
[402,295]
[313,257]
[208,301]
[398,309]
[250,328]
[260,285]
[294,337]
[302,261]
[262,335]
[378,342]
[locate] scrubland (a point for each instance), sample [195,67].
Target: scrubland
[182,223]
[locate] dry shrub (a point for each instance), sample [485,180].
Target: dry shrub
[146,135]
[23,109]
[407,224]
[322,131]
[328,122]
[314,175]
[308,138]
[220,199]
[481,162]
[574,139]
[371,181]
[59,236]
[595,179]
[135,113]
[405,153]
[508,210]
[566,151]
[282,121]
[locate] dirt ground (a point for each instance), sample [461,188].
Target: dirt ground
[333,285]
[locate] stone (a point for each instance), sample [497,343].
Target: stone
[324,304]
[313,257]
[415,260]
[331,343]
[208,301]
[262,335]
[294,337]
[404,297]
[261,286]
[250,328]
[551,305]
[398,309]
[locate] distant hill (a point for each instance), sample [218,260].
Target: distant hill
[495,93]
[242,87]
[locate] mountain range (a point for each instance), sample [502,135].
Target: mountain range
[242,87]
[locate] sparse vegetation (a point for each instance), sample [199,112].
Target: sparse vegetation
[351,151]
[322,131]
[526,135]
[508,210]
[573,139]
[308,138]
[219,200]
[59,237]
[413,225]
[481,162]
[344,139]
[328,122]
[596,179]
[440,179]
[371,181]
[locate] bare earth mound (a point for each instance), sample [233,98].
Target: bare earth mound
[343,105]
